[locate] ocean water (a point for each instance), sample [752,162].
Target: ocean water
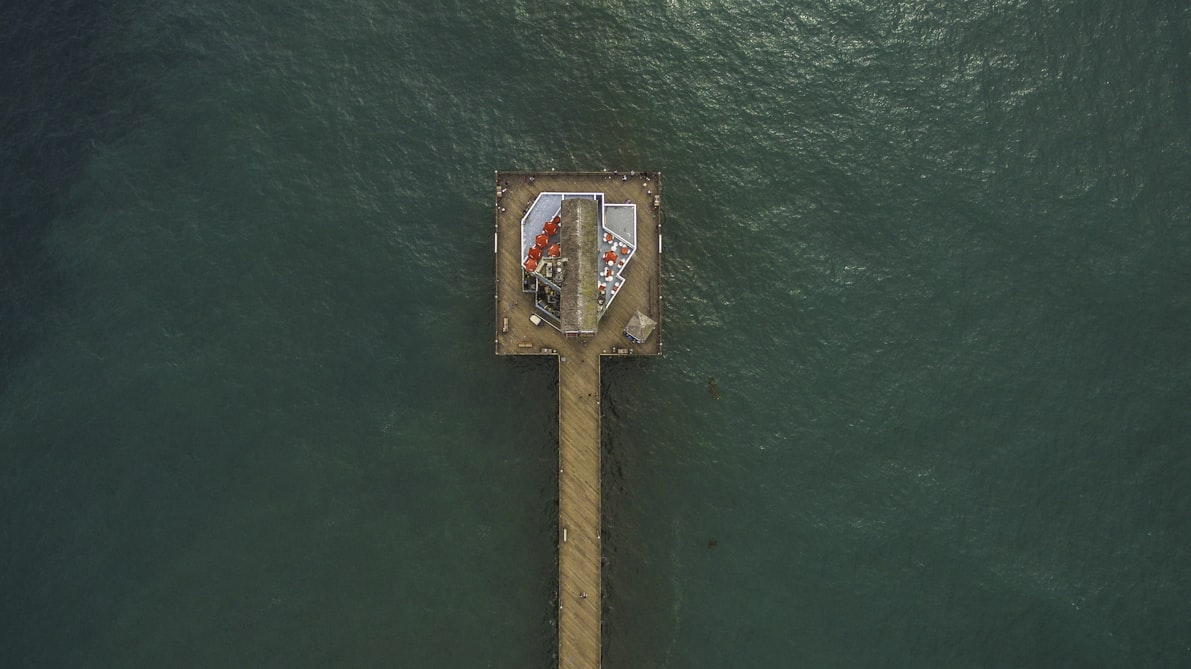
[935,255]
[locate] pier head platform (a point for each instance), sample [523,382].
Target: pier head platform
[578,270]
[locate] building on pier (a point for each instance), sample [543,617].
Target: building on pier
[576,248]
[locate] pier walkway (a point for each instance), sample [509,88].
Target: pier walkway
[579,547]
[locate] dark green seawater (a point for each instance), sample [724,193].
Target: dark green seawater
[937,256]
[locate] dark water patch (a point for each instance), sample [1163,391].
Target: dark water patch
[64,90]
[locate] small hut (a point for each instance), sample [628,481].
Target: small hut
[639,328]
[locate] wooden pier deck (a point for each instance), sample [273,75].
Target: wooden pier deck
[579,547]
[580,601]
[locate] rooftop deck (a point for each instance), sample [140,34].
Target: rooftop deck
[580,599]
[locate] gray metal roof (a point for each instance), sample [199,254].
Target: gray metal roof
[580,227]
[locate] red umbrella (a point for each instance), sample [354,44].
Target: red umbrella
[555,250]
[557,219]
[541,241]
[624,250]
[609,256]
[608,237]
[550,228]
[535,253]
[531,264]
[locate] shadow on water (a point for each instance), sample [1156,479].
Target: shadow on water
[621,380]
[63,94]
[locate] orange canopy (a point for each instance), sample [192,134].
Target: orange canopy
[550,228]
[624,250]
[531,265]
[555,250]
[609,256]
[535,253]
[541,241]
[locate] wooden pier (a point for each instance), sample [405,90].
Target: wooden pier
[580,602]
